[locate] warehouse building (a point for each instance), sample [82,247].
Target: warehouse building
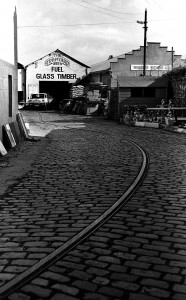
[54,74]
[124,76]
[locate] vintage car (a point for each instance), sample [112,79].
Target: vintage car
[39,100]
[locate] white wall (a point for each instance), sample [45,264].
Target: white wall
[46,69]
[7,9]
[5,70]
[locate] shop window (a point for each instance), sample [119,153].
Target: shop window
[149,92]
[136,92]
[10,94]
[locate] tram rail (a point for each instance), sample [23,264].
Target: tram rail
[63,250]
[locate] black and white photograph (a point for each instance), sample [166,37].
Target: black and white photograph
[92,150]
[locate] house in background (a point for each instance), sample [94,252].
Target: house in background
[8,66]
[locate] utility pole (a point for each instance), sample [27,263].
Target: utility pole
[15,53]
[15,38]
[145,41]
[172,60]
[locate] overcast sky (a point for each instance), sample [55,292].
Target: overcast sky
[91,30]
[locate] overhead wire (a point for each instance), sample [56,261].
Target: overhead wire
[154,3]
[81,24]
[119,12]
[97,10]
[91,24]
[157,4]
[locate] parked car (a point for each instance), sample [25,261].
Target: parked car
[39,100]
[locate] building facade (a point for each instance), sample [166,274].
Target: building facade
[8,80]
[123,75]
[54,74]
[8,94]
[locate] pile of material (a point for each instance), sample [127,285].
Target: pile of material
[77,91]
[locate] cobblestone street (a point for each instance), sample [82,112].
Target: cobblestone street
[79,172]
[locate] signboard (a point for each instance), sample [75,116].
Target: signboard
[56,67]
[151,67]
[57,59]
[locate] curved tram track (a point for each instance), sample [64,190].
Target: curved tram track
[60,252]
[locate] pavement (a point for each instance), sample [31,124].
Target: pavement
[58,185]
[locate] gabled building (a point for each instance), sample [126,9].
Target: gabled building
[54,74]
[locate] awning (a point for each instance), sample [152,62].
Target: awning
[140,81]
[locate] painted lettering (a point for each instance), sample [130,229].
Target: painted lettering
[56,69]
[44,76]
[57,59]
[66,76]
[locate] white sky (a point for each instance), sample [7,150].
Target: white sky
[93,43]
[7,8]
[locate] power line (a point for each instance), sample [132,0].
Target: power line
[66,25]
[148,2]
[157,4]
[119,12]
[97,10]
[162,20]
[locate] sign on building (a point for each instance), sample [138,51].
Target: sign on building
[151,67]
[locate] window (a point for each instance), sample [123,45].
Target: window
[136,92]
[10,94]
[143,92]
[149,92]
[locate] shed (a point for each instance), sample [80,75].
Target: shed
[142,90]
[137,91]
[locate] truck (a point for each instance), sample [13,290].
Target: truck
[39,100]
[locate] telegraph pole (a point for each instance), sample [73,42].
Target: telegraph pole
[145,43]
[15,38]
[172,60]
[15,53]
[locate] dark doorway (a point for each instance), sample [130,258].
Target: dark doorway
[10,94]
[59,90]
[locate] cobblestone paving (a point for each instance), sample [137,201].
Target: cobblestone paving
[73,181]
[139,253]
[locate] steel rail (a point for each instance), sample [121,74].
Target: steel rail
[60,252]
